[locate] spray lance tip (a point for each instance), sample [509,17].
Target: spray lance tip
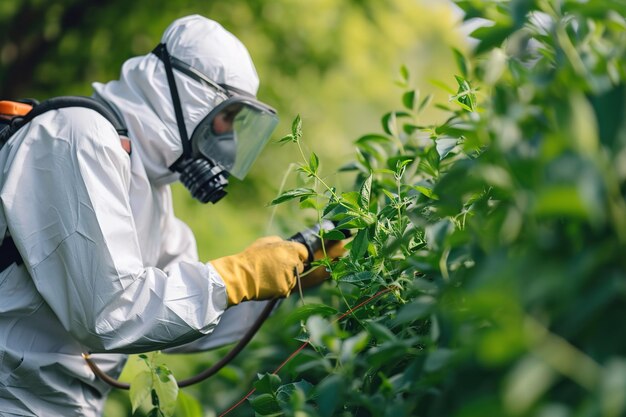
[311,238]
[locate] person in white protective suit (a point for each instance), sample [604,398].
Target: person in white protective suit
[107,267]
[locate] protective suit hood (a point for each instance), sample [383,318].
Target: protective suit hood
[142,96]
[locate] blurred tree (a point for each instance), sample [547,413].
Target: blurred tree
[328,60]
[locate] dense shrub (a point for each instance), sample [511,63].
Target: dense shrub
[498,234]
[487,260]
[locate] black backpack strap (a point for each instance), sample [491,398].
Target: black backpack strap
[9,254]
[64,102]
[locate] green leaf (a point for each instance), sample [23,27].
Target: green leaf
[419,308]
[334,209]
[334,235]
[387,353]
[359,244]
[291,194]
[430,163]
[353,345]
[445,145]
[380,332]
[394,161]
[304,168]
[460,61]
[188,406]
[401,165]
[308,202]
[352,198]
[390,195]
[267,383]
[491,36]
[166,389]
[408,99]
[307,310]
[389,121]
[296,128]
[365,192]
[372,138]
[155,412]
[265,405]
[314,162]
[286,138]
[465,96]
[140,388]
[404,73]
[330,394]
[355,222]
[364,277]
[428,192]
[284,392]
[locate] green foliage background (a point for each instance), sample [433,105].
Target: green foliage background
[332,61]
[491,214]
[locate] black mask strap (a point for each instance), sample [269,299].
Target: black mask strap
[161,52]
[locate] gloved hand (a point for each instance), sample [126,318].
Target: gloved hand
[262,271]
[334,249]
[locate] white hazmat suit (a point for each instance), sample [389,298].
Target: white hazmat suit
[107,265]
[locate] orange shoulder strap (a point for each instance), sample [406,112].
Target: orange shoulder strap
[10,109]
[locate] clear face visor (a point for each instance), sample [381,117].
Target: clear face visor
[234,133]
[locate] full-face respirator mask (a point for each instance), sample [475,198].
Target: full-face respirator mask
[226,142]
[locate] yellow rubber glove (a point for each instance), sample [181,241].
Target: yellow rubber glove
[334,249]
[262,271]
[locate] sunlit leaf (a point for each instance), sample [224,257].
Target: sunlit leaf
[296,128]
[314,162]
[188,406]
[365,192]
[140,388]
[286,138]
[166,389]
[291,194]
[445,145]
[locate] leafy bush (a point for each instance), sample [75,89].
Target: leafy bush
[498,236]
[486,273]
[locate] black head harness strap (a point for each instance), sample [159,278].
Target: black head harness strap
[161,52]
[203,177]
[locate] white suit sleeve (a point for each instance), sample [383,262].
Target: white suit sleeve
[178,242]
[66,199]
